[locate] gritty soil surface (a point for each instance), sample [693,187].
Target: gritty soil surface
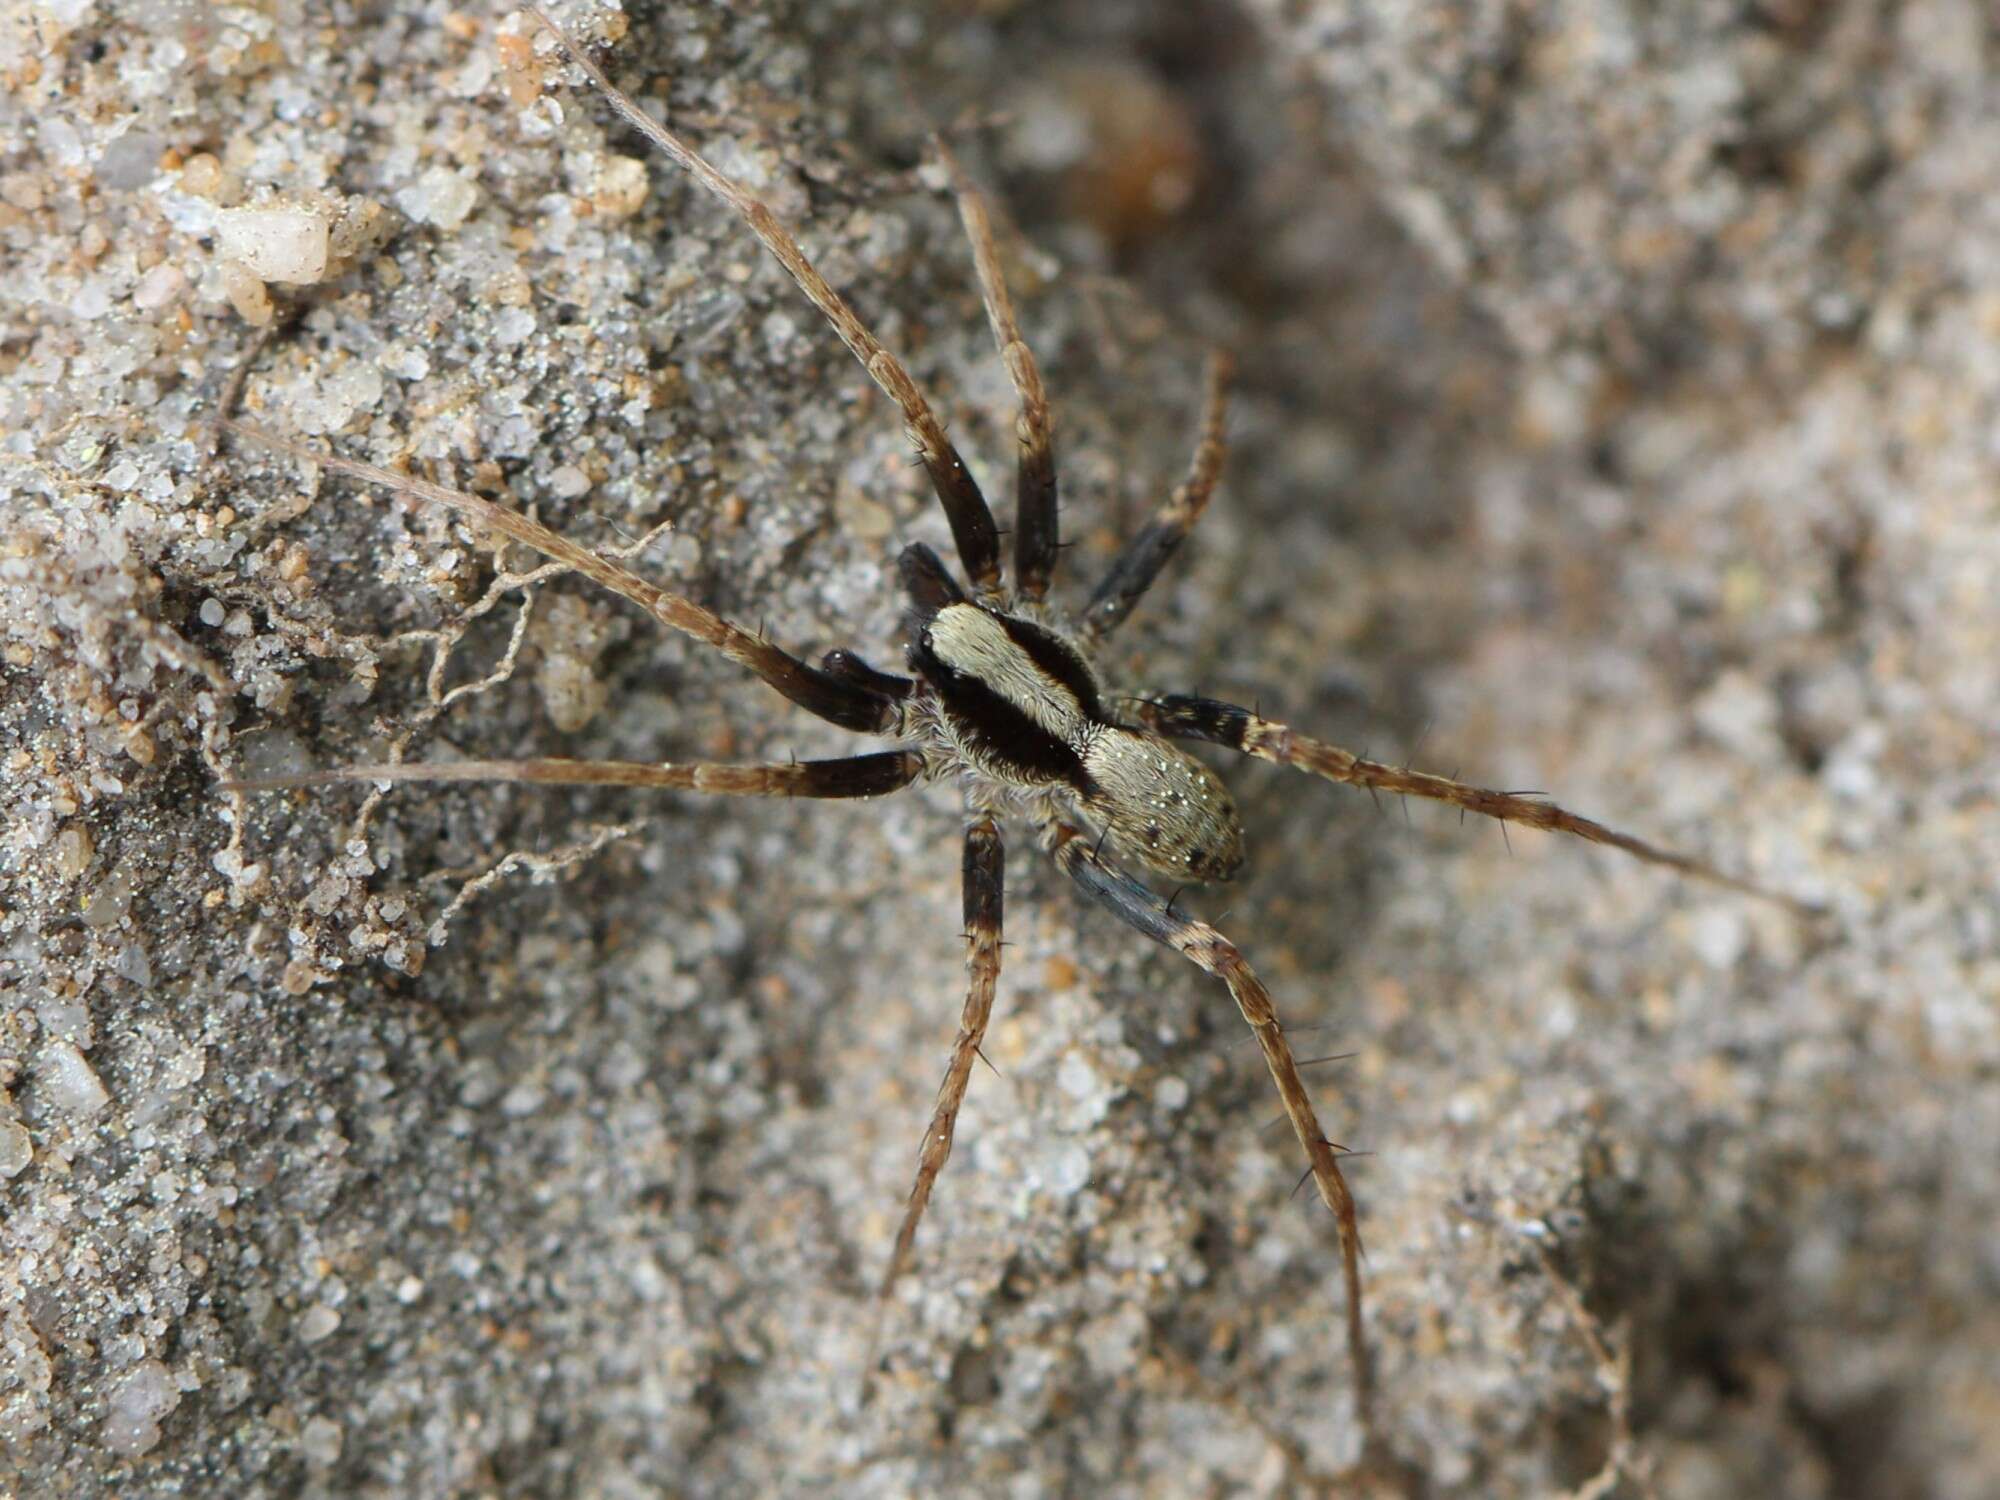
[1618,418]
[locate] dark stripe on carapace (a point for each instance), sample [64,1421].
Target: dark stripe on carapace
[996,728]
[1056,658]
[1185,718]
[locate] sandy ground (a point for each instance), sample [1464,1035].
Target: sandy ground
[1619,419]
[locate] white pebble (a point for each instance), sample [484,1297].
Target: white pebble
[92,300]
[144,1395]
[474,76]
[1466,1106]
[1069,1172]
[1719,935]
[1077,1078]
[319,1441]
[158,287]
[16,1149]
[135,965]
[276,244]
[406,362]
[441,197]
[72,1083]
[522,1100]
[512,325]
[1740,712]
[59,139]
[355,387]
[65,1020]
[317,1322]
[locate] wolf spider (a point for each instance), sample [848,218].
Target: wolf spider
[1002,696]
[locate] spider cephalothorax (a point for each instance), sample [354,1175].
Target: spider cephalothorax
[1002,699]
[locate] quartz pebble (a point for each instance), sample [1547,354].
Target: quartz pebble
[17,1149]
[286,244]
[71,1082]
[143,1396]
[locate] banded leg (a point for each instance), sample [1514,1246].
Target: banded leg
[1036,539]
[1209,950]
[984,882]
[838,698]
[1225,724]
[972,527]
[848,776]
[1140,563]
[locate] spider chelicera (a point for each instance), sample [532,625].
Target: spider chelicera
[1001,697]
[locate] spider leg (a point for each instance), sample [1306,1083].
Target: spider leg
[972,527]
[984,882]
[1140,563]
[1036,540]
[847,667]
[838,697]
[848,776]
[1240,729]
[1209,950]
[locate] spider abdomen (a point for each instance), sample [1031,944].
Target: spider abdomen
[1163,806]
